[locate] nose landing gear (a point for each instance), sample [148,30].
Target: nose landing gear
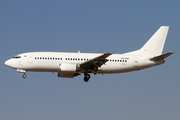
[24,75]
[22,71]
[86,77]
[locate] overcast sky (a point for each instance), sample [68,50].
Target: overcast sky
[98,26]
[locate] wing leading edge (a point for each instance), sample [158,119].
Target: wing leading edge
[95,62]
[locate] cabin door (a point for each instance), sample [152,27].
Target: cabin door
[30,58]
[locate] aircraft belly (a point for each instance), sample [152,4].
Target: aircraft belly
[116,68]
[43,67]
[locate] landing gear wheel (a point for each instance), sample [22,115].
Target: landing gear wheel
[24,75]
[86,77]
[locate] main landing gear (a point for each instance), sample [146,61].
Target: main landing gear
[86,77]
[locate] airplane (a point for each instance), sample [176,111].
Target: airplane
[70,65]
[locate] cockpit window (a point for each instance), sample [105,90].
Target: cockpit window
[17,57]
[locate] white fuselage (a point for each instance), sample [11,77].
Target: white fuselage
[50,62]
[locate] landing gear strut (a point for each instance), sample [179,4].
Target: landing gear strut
[24,75]
[86,77]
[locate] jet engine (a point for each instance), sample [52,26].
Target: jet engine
[65,67]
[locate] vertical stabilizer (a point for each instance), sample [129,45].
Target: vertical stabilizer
[155,44]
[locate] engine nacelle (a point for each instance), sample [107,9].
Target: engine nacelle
[65,67]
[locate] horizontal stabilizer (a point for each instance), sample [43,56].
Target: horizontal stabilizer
[161,57]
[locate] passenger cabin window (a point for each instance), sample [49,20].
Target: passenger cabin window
[43,58]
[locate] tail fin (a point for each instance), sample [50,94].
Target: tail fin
[155,44]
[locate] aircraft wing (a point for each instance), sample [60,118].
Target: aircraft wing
[161,57]
[95,62]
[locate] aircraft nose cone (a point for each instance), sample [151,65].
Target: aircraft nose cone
[11,63]
[7,62]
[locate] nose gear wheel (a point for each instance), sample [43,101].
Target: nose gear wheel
[24,75]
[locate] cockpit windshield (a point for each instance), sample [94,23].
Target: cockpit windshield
[17,57]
